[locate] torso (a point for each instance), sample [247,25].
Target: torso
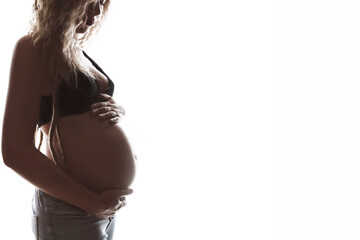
[97,153]
[102,80]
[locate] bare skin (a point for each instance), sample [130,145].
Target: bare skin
[94,13]
[29,78]
[97,151]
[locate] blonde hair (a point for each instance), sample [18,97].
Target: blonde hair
[53,30]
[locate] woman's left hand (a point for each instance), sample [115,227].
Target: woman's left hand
[108,110]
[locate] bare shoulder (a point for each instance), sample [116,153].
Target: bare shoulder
[25,42]
[29,58]
[26,51]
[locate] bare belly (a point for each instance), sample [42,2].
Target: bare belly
[97,153]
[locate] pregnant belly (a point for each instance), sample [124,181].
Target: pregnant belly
[97,153]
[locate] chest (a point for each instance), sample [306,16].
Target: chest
[100,78]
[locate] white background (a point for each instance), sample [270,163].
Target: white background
[244,116]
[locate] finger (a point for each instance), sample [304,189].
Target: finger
[104,96]
[119,207]
[127,191]
[124,192]
[115,120]
[122,204]
[108,115]
[100,104]
[122,110]
[104,109]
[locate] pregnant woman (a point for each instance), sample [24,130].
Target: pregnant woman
[86,165]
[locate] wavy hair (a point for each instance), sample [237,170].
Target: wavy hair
[53,30]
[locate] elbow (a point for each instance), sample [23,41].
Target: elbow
[13,156]
[8,156]
[14,151]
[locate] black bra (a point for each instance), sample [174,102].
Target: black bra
[75,101]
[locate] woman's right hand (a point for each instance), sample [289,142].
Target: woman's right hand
[109,202]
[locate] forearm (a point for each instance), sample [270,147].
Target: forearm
[39,170]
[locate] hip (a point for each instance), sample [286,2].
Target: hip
[56,219]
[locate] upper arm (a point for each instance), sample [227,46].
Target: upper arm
[23,98]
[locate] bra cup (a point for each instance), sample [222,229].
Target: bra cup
[75,100]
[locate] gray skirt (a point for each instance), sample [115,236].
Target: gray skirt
[56,219]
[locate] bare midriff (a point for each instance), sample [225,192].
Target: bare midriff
[97,154]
